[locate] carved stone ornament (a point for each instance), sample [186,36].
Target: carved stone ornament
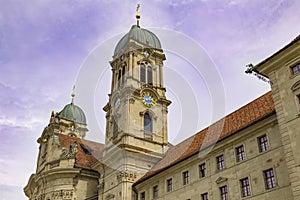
[109,196]
[221,180]
[69,153]
[62,194]
[131,100]
[296,86]
[64,153]
[126,176]
[101,185]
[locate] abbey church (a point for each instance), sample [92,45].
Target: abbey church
[252,153]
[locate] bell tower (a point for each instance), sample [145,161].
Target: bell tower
[136,113]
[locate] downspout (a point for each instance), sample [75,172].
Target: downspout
[135,192]
[251,69]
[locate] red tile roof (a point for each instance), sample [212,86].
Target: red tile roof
[88,152]
[249,114]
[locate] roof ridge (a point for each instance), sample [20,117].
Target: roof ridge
[233,112]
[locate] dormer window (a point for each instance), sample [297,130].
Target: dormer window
[296,69]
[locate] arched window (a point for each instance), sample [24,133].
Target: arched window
[119,78]
[149,75]
[115,126]
[142,73]
[147,123]
[123,74]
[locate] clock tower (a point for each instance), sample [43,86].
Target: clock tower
[136,113]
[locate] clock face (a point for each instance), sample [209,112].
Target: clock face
[122,57]
[148,100]
[146,54]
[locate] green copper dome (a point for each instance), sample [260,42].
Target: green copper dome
[140,35]
[73,113]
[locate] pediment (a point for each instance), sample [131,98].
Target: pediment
[296,86]
[109,196]
[221,180]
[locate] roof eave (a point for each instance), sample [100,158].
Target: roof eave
[271,63]
[197,152]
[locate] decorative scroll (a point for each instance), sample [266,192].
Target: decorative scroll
[69,153]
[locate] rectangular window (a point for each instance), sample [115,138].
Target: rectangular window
[296,69]
[142,73]
[220,162]
[245,186]
[224,193]
[204,196]
[115,126]
[202,170]
[155,192]
[143,196]
[263,143]
[240,153]
[269,179]
[169,185]
[186,177]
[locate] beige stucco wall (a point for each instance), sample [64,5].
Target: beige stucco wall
[252,167]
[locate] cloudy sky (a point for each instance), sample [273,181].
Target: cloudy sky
[44,45]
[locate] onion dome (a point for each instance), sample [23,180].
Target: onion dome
[73,113]
[140,35]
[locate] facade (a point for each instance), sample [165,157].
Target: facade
[64,166]
[252,153]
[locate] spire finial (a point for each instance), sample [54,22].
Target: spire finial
[137,15]
[73,94]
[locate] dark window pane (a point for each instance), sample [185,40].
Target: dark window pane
[142,73]
[296,69]
[240,153]
[245,187]
[149,75]
[186,177]
[220,162]
[269,178]
[204,196]
[147,122]
[202,170]
[155,192]
[119,78]
[115,126]
[123,74]
[169,185]
[224,193]
[143,196]
[263,143]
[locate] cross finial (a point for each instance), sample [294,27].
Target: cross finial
[138,16]
[73,93]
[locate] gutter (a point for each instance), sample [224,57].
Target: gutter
[196,152]
[135,192]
